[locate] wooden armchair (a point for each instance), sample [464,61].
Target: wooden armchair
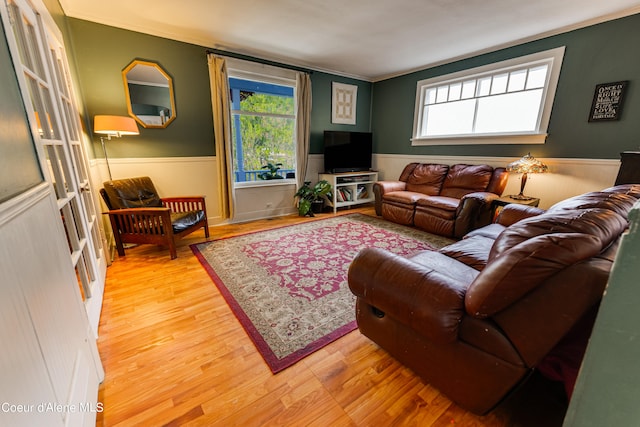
[139,215]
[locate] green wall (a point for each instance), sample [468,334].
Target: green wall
[321,109]
[101,52]
[602,53]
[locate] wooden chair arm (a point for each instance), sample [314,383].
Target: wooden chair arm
[141,221]
[185,203]
[137,211]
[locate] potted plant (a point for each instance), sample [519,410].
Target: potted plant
[272,172]
[311,199]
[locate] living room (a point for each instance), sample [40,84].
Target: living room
[574,151]
[581,155]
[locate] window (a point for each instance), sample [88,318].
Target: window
[263,124]
[502,103]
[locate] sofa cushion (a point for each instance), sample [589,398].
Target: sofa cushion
[404,197]
[183,220]
[632,190]
[491,231]
[464,179]
[525,266]
[445,265]
[427,178]
[616,202]
[400,213]
[472,251]
[442,207]
[603,224]
[514,212]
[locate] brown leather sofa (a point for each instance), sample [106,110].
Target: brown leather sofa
[476,317]
[445,200]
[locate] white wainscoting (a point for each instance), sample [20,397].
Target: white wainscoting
[269,201]
[172,177]
[49,351]
[175,176]
[566,177]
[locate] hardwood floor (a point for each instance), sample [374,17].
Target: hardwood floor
[174,354]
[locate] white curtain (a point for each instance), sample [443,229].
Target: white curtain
[303,124]
[222,131]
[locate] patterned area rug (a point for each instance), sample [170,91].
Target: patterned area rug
[288,286]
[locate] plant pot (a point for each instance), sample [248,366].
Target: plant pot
[317,206]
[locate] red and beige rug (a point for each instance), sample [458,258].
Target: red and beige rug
[288,286]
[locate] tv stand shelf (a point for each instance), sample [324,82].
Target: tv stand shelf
[350,188]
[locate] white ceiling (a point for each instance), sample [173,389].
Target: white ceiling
[366,39]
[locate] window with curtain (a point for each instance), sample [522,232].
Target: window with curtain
[263,120]
[505,102]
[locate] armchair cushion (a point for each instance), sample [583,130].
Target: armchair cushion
[180,221]
[132,193]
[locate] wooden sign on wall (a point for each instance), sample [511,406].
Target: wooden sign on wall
[607,101]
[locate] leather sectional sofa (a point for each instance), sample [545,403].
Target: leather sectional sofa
[476,317]
[445,200]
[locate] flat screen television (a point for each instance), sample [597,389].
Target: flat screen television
[347,151]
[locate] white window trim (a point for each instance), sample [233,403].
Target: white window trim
[553,57]
[265,183]
[248,70]
[262,72]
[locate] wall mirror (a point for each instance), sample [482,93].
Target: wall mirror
[149,92]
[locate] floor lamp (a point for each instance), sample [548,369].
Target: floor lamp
[113,126]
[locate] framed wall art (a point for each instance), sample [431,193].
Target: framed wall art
[607,101]
[343,103]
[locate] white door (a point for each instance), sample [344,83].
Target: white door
[42,67]
[49,364]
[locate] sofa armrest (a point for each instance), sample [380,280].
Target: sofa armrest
[474,211]
[382,187]
[415,294]
[514,212]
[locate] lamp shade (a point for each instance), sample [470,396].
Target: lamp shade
[527,164]
[115,125]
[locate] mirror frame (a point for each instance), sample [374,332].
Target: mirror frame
[158,67]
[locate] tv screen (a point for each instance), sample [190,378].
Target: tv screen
[347,151]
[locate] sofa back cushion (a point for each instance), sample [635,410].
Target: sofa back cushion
[427,178]
[620,203]
[406,172]
[498,181]
[465,179]
[534,249]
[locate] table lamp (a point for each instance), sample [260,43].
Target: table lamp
[525,165]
